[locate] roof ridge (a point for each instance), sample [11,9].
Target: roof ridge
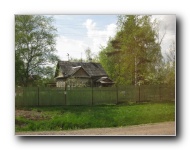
[91,68]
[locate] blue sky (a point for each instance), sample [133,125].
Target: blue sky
[79,32]
[76,33]
[73,25]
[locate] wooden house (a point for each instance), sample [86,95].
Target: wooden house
[81,74]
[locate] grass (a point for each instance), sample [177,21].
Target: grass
[80,117]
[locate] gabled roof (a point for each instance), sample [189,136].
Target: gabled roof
[92,69]
[74,70]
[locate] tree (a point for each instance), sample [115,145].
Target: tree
[34,44]
[75,59]
[90,57]
[170,65]
[109,60]
[19,70]
[134,51]
[88,54]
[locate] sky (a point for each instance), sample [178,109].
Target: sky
[76,33]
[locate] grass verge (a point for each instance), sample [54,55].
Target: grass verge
[80,117]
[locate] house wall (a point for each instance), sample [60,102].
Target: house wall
[79,79]
[78,82]
[73,82]
[60,83]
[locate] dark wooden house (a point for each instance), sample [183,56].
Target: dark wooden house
[81,74]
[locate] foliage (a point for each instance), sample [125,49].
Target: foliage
[109,63]
[90,57]
[169,66]
[19,70]
[88,54]
[134,54]
[35,46]
[75,59]
[81,117]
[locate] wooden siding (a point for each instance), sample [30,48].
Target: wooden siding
[60,83]
[80,73]
[60,73]
[78,82]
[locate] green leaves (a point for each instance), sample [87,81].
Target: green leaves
[138,53]
[34,44]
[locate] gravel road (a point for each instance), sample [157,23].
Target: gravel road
[156,129]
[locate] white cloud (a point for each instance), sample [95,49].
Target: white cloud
[90,25]
[167,25]
[93,38]
[98,36]
[73,47]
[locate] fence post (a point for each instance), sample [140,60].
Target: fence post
[38,96]
[23,97]
[92,96]
[160,93]
[139,94]
[117,94]
[92,92]
[65,93]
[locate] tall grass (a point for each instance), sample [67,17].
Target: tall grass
[80,117]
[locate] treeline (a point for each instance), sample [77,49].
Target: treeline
[134,55]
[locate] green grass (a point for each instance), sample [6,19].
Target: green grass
[80,117]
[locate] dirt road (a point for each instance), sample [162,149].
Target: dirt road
[165,128]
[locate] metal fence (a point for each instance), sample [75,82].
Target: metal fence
[45,96]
